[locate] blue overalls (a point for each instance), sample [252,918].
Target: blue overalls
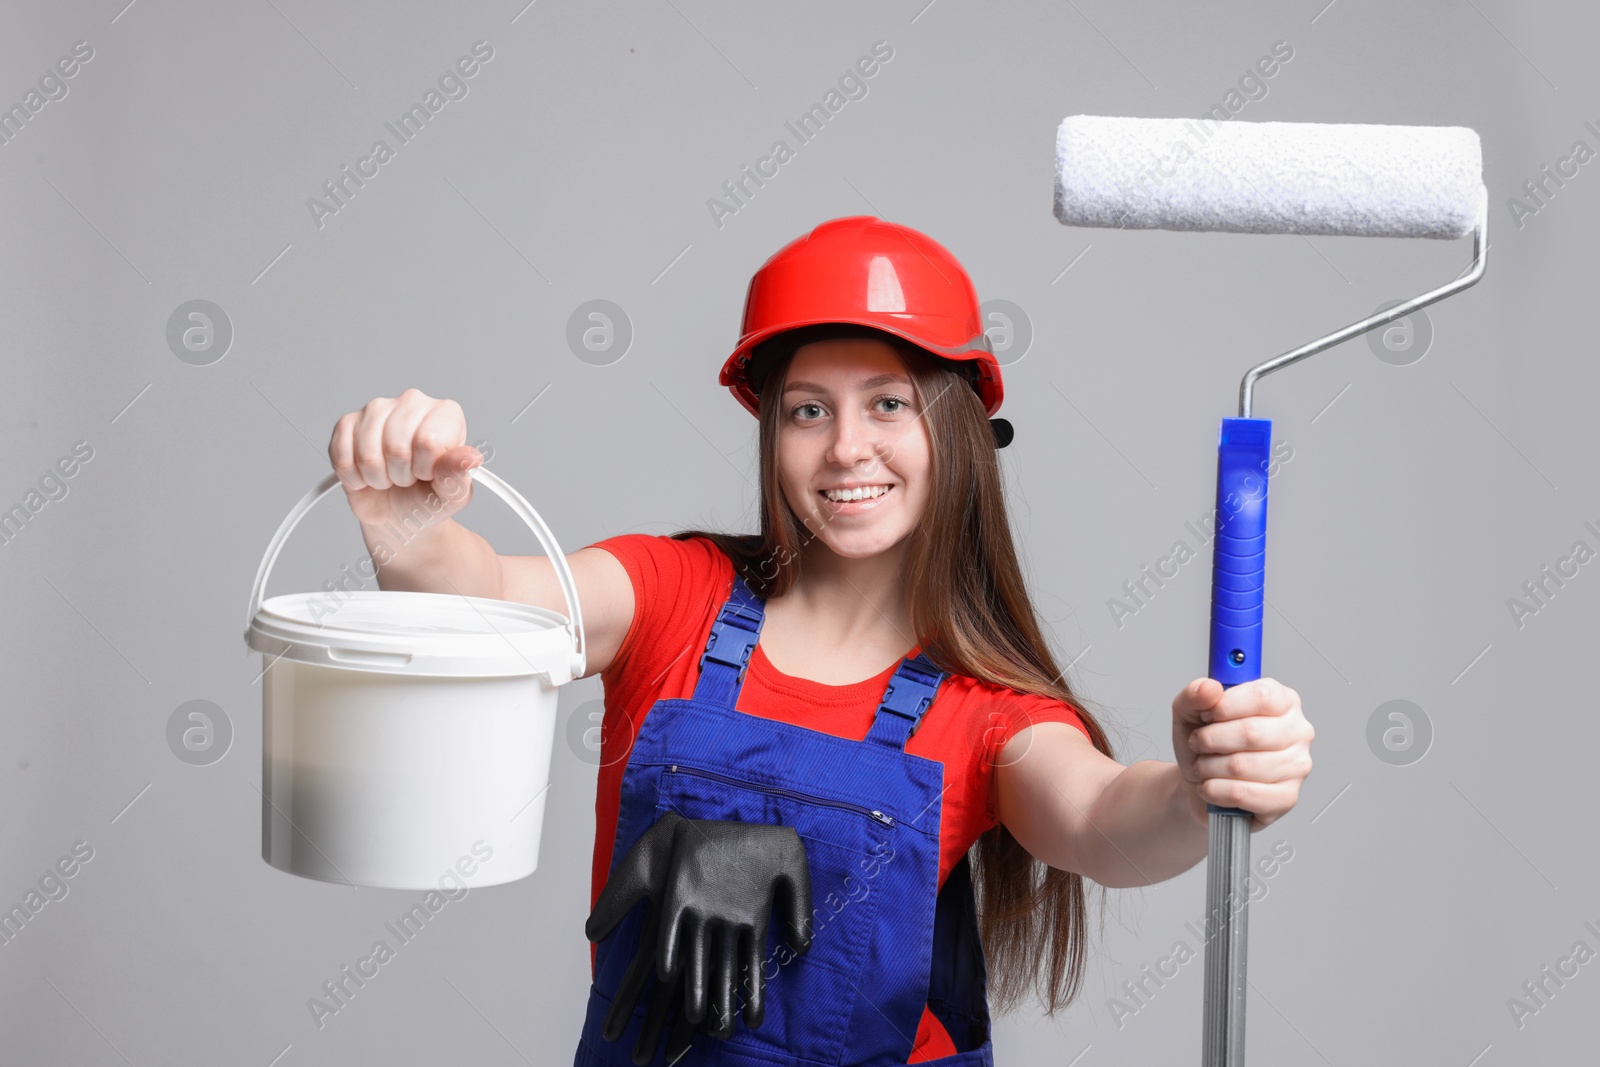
[885,939]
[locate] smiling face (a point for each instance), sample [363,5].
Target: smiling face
[853,455]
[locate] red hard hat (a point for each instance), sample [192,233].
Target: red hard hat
[869,272]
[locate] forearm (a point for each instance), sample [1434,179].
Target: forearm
[443,558]
[1143,828]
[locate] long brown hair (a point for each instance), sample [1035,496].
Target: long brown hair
[971,611]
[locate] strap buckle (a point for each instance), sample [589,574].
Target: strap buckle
[912,688]
[736,630]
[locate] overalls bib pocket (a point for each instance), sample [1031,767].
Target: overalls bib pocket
[847,846]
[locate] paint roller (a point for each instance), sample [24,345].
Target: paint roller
[1264,177]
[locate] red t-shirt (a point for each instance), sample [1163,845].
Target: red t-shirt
[678,587]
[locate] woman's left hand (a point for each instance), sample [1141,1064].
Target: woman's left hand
[1246,747]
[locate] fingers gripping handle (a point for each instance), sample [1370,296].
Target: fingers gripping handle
[495,484]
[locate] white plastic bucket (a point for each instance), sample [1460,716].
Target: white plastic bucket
[406,737]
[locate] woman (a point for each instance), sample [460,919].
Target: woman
[878,686]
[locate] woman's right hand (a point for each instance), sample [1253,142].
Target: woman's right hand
[396,452]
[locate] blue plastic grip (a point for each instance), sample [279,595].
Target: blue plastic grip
[1239,556]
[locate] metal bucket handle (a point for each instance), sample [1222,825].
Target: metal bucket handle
[497,485]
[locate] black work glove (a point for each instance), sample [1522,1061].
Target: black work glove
[721,888]
[711,886]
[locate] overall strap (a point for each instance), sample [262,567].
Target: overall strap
[727,655]
[909,693]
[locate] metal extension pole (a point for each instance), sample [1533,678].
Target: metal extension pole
[1226,931]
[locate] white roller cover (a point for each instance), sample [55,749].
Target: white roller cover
[1269,177]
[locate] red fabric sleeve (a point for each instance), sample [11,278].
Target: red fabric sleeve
[676,586]
[1022,710]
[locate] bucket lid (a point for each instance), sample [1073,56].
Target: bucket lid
[424,634]
[439,634]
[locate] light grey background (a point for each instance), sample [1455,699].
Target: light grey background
[1419,499]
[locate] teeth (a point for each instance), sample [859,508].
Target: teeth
[865,492]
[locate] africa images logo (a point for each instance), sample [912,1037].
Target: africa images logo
[852,86]
[452,85]
[340,990]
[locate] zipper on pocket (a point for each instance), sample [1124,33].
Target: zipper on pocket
[872,813]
